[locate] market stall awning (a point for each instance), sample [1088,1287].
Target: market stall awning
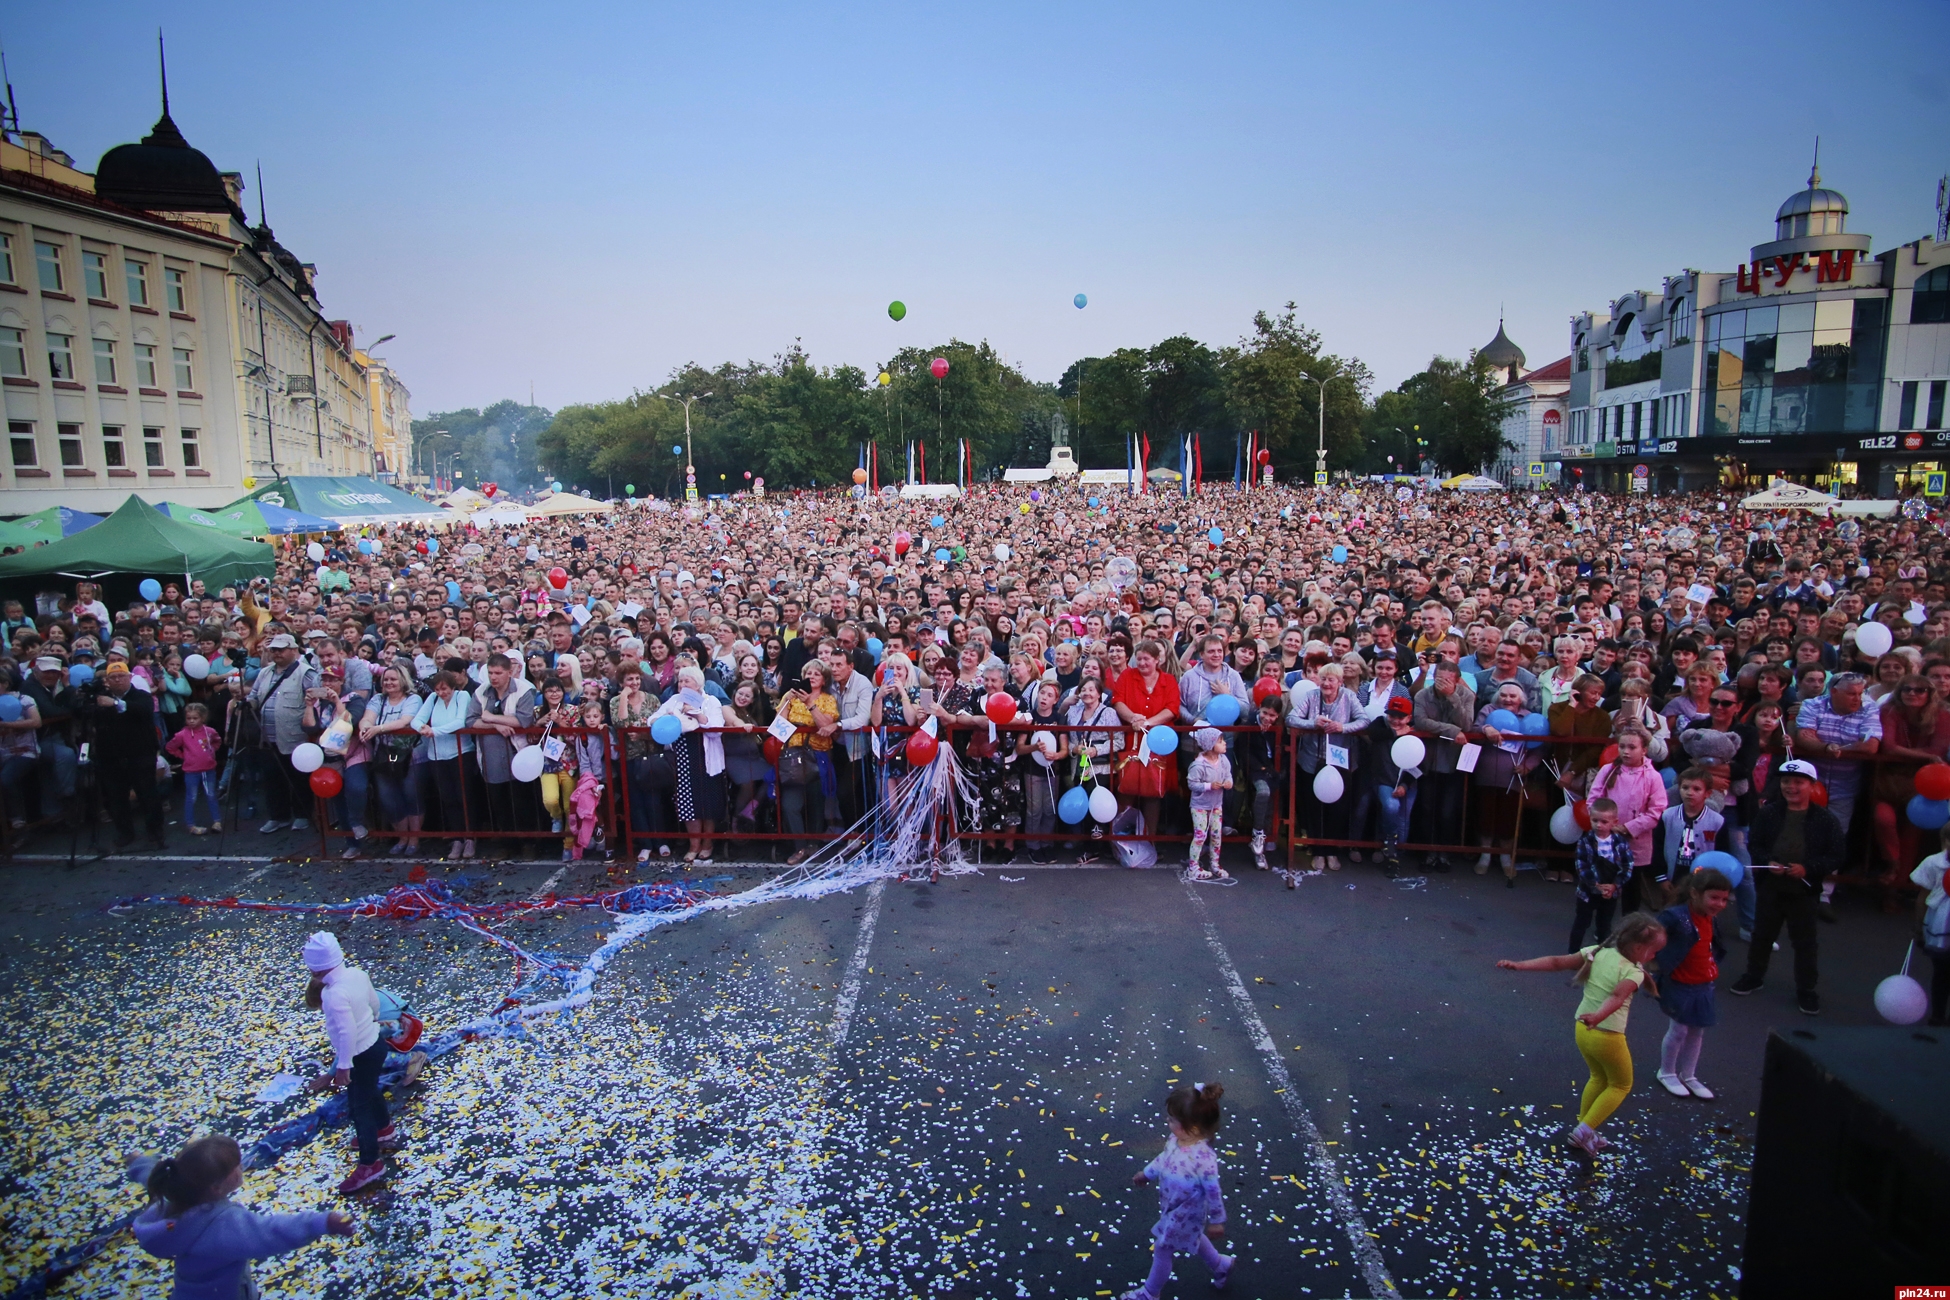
[568,503]
[1473,483]
[15,535]
[250,519]
[58,521]
[1788,496]
[347,501]
[504,516]
[140,539]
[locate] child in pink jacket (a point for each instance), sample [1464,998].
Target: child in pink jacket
[197,745]
[1640,793]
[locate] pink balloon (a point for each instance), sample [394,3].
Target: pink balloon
[939,368]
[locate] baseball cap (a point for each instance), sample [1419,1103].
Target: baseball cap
[48,663]
[1402,705]
[1800,767]
[282,641]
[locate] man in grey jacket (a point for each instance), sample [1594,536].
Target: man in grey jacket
[506,706]
[1444,710]
[852,764]
[278,695]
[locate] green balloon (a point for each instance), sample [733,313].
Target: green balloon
[897,309]
[629,489]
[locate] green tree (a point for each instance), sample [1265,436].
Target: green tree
[1113,406]
[1394,441]
[1270,383]
[497,445]
[1461,410]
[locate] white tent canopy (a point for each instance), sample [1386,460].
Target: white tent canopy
[463,500]
[1478,483]
[509,516]
[929,491]
[568,503]
[1789,496]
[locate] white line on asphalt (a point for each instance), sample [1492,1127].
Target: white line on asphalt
[1366,1253]
[541,891]
[856,965]
[145,857]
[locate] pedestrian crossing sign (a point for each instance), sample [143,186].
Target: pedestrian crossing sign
[1536,469]
[1320,478]
[1933,484]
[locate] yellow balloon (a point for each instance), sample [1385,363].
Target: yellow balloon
[885,379]
[250,482]
[1026,507]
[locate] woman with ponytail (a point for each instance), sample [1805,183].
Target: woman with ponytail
[191,1219]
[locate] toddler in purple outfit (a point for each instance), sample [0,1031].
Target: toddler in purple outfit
[1192,1215]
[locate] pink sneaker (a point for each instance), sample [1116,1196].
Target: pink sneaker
[361,1176]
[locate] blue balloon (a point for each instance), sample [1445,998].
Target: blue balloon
[1216,536]
[1074,806]
[1081,301]
[1340,555]
[1928,814]
[365,546]
[80,675]
[1504,720]
[9,708]
[941,554]
[556,486]
[1093,503]
[666,729]
[1670,775]
[1223,710]
[433,546]
[1724,863]
[453,592]
[937,522]
[874,647]
[1162,740]
[1536,724]
[150,589]
[676,451]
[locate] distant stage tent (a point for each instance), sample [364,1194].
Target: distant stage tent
[1789,496]
[568,503]
[348,501]
[1474,483]
[463,500]
[1041,474]
[505,516]
[929,491]
[57,521]
[140,539]
[1164,476]
[250,519]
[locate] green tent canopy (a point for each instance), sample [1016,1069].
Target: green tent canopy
[12,534]
[349,502]
[140,539]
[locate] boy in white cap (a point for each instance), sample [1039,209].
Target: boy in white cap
[351,1006]
[1796,845]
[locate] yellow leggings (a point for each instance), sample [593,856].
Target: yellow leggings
[556,789]
[1610,1059]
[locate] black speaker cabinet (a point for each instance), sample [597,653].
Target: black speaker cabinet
[1851,1178]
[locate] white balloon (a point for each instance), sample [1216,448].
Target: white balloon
[1103,804]
[1564,826]
[1873,639]
[1408,751]
[1299,691]
[1328,786]
[527,765]
[315,552]
[308,757]
[197,667]
[1036,744]
[1002,551]
[1900,999]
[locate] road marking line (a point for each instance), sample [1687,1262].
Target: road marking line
[146,857]
[1366,1253]
[856,965]
[541,891]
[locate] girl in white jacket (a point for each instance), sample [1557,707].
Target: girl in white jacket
[351,1006]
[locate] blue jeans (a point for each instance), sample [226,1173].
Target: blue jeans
[57,775]
[13,779]
[1394,813]
[349,805]
[204,783]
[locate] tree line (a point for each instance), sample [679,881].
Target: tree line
[794,422]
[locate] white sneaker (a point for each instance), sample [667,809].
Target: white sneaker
[272,826]
[1699,1089]
[301,823]
[1671,1083]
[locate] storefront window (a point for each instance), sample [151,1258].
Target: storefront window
[1802,368]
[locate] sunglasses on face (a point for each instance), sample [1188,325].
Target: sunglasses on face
[1724,704]
[1916,690]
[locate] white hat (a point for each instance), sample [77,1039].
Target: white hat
[322,952]
[282,641]
[1800,767]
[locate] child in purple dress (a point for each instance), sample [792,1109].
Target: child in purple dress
[1192,1215]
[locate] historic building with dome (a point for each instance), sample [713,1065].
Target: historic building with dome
[153,340]
[1534,399]
[1814,360]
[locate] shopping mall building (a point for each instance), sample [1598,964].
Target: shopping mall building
[1814,361]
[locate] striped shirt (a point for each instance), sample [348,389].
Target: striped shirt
[1841,776]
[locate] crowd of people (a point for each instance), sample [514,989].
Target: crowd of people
[756,667]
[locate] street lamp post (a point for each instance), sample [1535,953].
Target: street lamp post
[1320,454]
[433,457]
[690,461]
[372,441]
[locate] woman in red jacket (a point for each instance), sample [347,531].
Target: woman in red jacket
[1147,697]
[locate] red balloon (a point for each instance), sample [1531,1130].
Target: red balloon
[421,547]
[326,782]
[1001,708]
[1266,688]
[558,578]
[901,542]
[489,489]
[1265,457]
[773,748]
[1581,814]
[1610,755]
[1818,794]
[939,368]
[1933,781]
[921,748]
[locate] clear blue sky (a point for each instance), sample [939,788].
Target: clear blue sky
[587,196]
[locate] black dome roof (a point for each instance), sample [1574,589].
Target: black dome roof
[1500,351]
[162,174]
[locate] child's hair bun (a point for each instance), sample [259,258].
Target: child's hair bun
[1212,1091]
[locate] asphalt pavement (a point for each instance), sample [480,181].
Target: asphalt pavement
[905,1089]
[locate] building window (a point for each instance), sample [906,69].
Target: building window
[1930,302]
[114,452]
[145,365]
[1934,420]
[7,259]
[190,449]
[152,446]
[176,284]
[71,457]
[20,437]
[13,353]
[94,273]
[1906,410]
[47,258]
[60,356]
[136,274]
[185,375]
[104,361]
